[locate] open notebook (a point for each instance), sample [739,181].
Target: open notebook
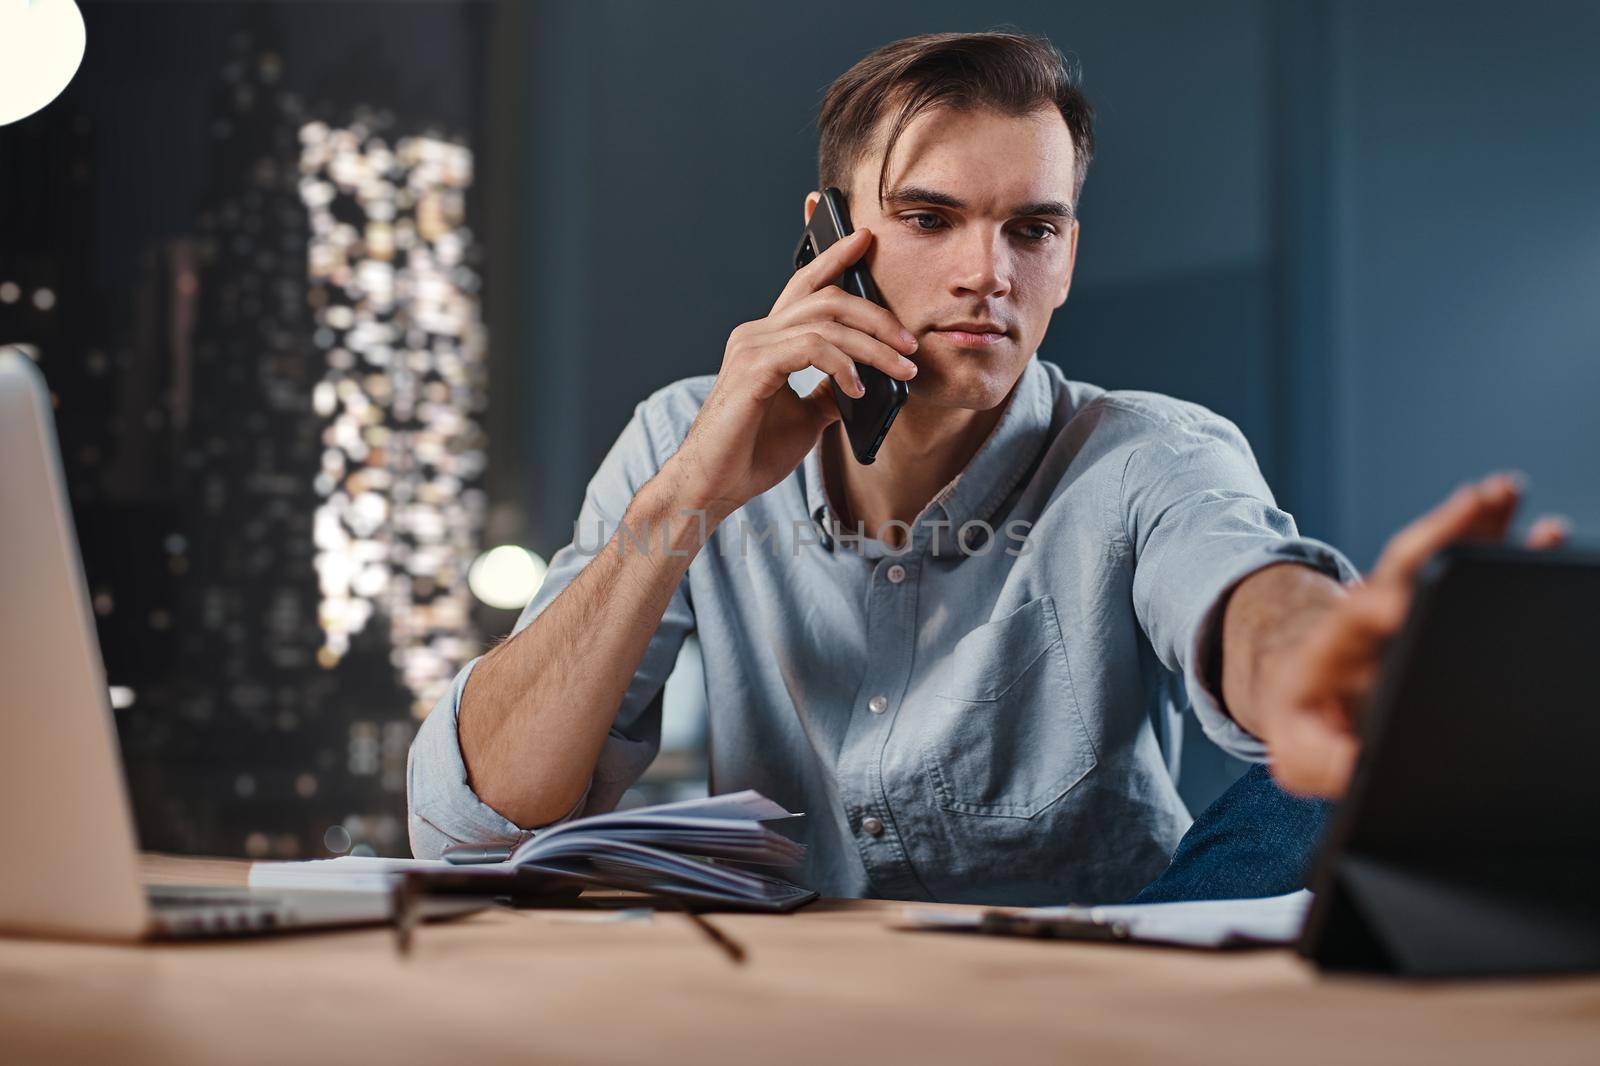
[696,850]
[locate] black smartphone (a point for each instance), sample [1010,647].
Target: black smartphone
[866,420]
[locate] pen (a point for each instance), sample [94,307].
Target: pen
[403,912]
[727,944]
[1064,927]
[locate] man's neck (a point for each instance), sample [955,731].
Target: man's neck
[924,451]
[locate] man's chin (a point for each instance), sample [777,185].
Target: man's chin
[970,384]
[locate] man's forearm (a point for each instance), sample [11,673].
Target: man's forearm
[1270,612]
[536,709]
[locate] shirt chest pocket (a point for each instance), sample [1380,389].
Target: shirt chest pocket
[1003,735]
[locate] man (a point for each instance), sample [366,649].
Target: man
[955,674]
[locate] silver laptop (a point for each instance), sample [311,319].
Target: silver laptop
[66,831]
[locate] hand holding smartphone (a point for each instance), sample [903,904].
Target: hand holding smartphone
[866,418]
[753,430]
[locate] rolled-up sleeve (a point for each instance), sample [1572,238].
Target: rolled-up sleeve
[442,807]
[1200,519]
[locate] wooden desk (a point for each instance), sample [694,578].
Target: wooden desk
[829,984]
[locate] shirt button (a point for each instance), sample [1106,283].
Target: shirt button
[896,574]
[871,825]
[878,704]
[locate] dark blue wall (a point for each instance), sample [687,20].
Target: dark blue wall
[1368,232]
[1467,216]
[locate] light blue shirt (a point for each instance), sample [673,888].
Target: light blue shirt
[964,719]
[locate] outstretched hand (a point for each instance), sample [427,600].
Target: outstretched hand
[1316,689]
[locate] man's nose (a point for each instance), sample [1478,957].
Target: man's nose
[982,265]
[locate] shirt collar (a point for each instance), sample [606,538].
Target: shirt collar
[992,474]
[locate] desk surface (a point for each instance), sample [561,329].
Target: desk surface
[831,982]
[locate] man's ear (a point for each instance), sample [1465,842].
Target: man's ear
[812,200]
[1072,261]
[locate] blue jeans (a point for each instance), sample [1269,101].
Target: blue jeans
[1255,840]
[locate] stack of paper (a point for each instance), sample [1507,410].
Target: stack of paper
[684,849]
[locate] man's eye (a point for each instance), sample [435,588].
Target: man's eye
[1038,231]
[925,221]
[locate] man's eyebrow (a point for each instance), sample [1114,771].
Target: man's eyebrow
[914,194]
[1045,209]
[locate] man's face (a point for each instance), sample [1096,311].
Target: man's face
[975,231]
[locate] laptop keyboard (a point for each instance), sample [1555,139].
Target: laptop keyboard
[209,910]
[200,910]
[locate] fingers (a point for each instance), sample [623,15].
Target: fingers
[821,404]
[804,348]
[1548,533]
[1480,511]
[832,303]
[1312,738]
[1317,699]
[1371,615]
[1342,656]
[1313,754]
[821,271]
[812,349]
[861,347]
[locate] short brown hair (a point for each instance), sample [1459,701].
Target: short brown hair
[1012,72]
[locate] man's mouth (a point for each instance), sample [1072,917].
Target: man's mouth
[971,334]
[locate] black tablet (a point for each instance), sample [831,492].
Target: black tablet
[1469,840]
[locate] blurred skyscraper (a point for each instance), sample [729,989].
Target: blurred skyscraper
[268,357]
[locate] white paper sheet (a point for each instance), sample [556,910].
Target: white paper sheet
[348,873]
